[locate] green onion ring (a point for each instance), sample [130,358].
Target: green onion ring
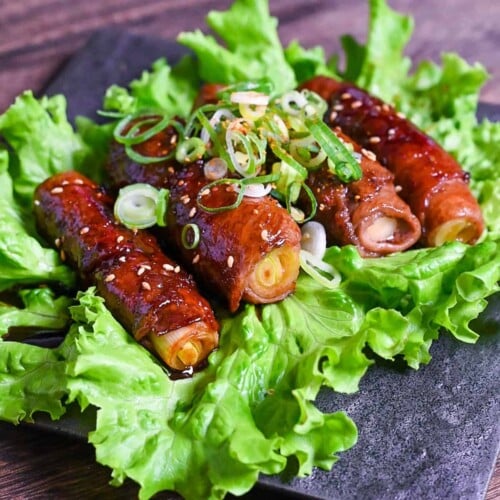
[196,236]
[131,138]
[310,195]
[136,206]
[283,155]
[145,160]
[239,198]
[190,150]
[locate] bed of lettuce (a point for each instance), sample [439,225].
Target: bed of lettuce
[252,409]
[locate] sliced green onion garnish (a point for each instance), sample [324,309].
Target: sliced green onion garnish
[263,86]
[319,270]
[162,207]
[145,160]
[136,206]
[307,151]
[336,151]
[288,159]
[292,195]
[240,193]
[190,236]
[190,150]
[132,136]
[260,179]
[217,148]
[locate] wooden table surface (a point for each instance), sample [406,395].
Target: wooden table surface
[38,36]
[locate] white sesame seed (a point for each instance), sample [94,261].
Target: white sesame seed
[369,154]
[177,269]
[205,192]
[321,207]
[398,188]
[173,139]
[57,242]
[120,238]
[79,181]
[109,277]
[333,116]
[230,261]
[140,271]
[356,104]
[186,200]
[192,212]
[180,183]
[264,234]
[37,203]
[196,258]
[391,131]
[345,95]
[84,230]
[168,267]
[374,140]
[255,211]
[64,183]
[122,258]
[401,115]
[170,170]
[57,190]
[386,108]
[338,107]
[145,285]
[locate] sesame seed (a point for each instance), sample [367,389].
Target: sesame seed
[57,242]
[205,192]
[180,183]
[369,154]
[398,188]
[255,211]
[120,238]
[170,170]
[338,107]
[391,131]
[146,266]
[192,212]
[37,203]
[264,234]
[386,108]
[357,197]
[140,271]
[122,258]
[62,254]
[374,140]
[177,269]
[173,139]
[79,181]
[145,285]
[401,115]
[84,230]
[321,207]
[168,267]
[230,261]
[196,258]
[109,278]
[345,95]
[64,183]
[186,200]
[57,190]
[356,104]
[333,116]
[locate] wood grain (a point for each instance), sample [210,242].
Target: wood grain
[38,36]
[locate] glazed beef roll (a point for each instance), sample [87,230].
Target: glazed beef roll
[432,182]
[148,293]
[367,213]
[247,253]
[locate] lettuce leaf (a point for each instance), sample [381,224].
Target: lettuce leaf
[41,142]
[31,379]
[41,310]
[163,433]
[171,90]
[252,50]
[23,260]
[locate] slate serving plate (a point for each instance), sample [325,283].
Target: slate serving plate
[431,433]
